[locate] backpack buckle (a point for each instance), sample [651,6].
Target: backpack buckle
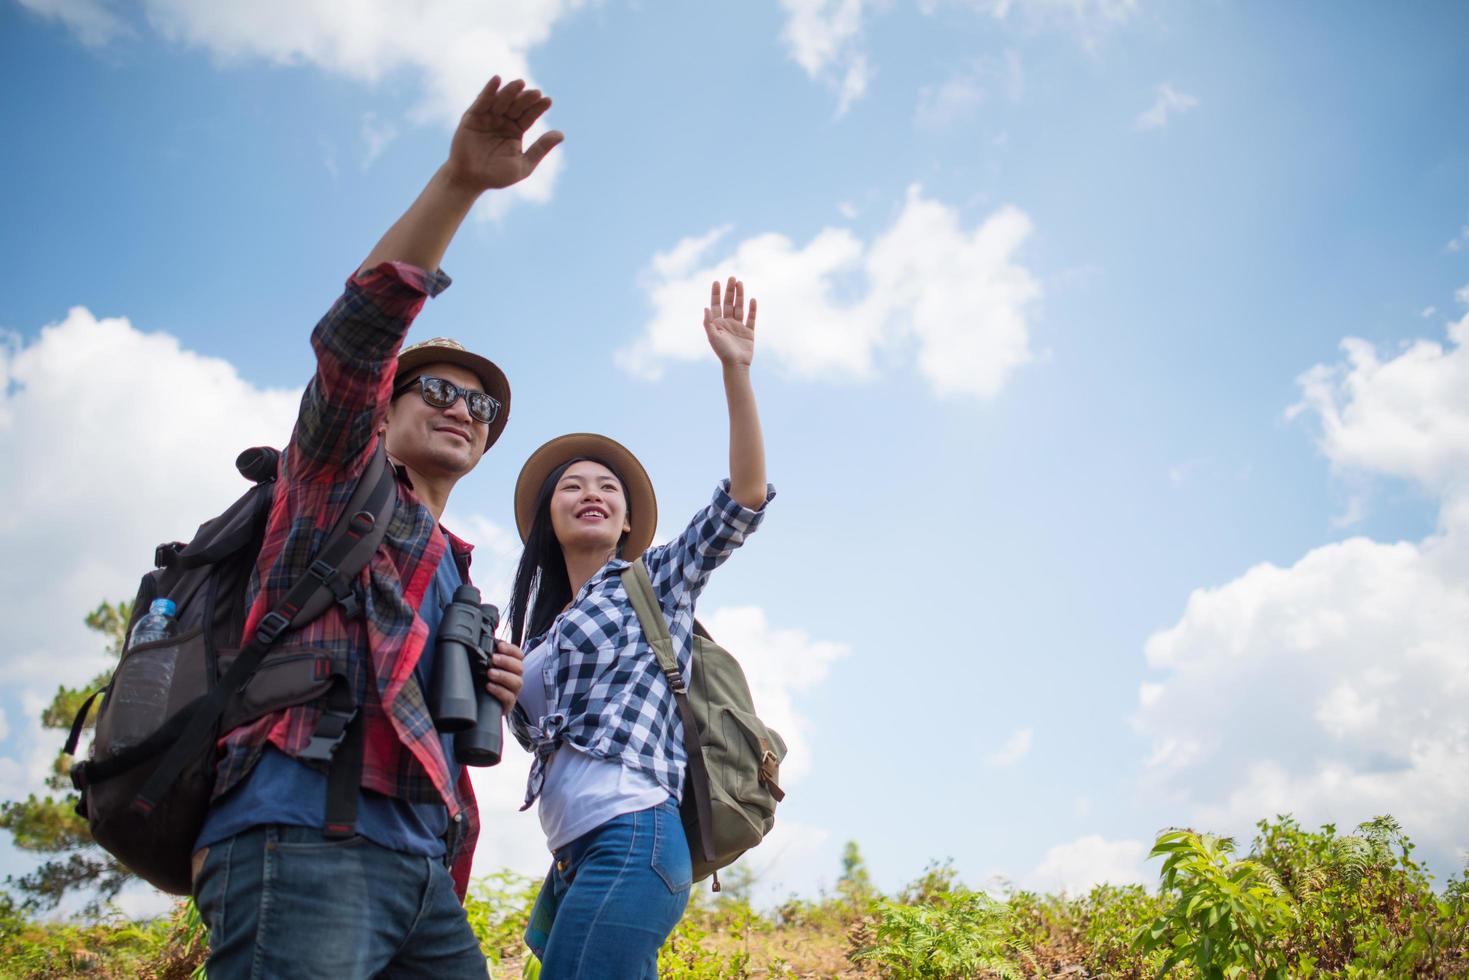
[331,728]
[272,624]
[770,771]
[166,554]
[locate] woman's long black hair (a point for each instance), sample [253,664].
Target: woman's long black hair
[542,586]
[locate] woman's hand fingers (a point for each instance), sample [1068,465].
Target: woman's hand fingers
[505,676]
[750,320]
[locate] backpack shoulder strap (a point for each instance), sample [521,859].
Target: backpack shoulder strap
[650,616]
[655,628]
[342,556]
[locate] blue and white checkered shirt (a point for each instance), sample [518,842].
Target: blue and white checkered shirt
[605,691]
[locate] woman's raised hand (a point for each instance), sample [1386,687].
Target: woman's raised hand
[731,333]
[487,150]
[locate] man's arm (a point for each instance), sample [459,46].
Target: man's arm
[356,341]
[486,153]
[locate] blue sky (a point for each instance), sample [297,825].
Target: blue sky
[1088,523]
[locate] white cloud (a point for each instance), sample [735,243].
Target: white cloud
[1015,748]
[1169,102]
[962,93]
[1334,688]
[31,750]
[1089,21]
[780,664]
[496,552]
[958,295]
[92,22]
[824,38]
[450,45]
[1406,417]
[376,135]
[118,440]
[1460,241]
[1428,311]
[1075,867]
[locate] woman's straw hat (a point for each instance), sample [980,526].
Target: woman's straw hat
[642,504]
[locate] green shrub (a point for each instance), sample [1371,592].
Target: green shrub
[959,935]
[1228,916]
[498,908]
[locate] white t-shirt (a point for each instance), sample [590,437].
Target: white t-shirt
[581,791]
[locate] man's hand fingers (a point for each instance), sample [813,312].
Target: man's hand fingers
[729,297]
[714,299]
[739,309]
[534,111]
[506,96]
[486,95]
[523,102]
[750,320]
[538,150]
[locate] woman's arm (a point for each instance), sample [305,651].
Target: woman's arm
[732,335]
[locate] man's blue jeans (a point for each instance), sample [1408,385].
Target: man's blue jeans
[612,897]
[285,902]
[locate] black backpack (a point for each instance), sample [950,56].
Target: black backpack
[146,786]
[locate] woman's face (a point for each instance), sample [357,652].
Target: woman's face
[588,509]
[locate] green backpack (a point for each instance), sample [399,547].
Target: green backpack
[734,757]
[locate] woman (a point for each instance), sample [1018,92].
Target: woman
[595,708]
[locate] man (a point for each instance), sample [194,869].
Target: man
[283,891]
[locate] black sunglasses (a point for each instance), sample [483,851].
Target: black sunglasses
[442,394]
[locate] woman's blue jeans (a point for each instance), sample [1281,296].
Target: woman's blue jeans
[285,902]
[612,897]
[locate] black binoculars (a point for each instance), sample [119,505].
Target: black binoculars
[457,698]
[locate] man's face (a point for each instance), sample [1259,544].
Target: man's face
[436,441]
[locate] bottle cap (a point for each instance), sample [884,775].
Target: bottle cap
[165,607]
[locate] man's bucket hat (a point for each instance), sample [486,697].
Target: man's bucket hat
[442,350]
[638,489]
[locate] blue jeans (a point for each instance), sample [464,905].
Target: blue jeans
[612,897]
[284,901]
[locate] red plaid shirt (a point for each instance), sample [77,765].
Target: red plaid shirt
[356,347]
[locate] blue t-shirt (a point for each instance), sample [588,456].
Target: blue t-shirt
[280,790]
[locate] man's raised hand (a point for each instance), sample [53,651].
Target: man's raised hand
[487,150]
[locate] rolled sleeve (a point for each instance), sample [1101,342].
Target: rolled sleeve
[680,569]
[356,347]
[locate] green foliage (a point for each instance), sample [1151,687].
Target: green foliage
[170,948]
[1227,915]
[1301,904]
[1109,917]
[49,825]
[1365,907]
[855,884]
[498,907]
[690,953]
[939,930]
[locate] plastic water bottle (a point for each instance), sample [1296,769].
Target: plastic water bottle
[157,624]
[144,678]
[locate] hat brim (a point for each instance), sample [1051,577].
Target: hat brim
[642,502]
[495,383]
